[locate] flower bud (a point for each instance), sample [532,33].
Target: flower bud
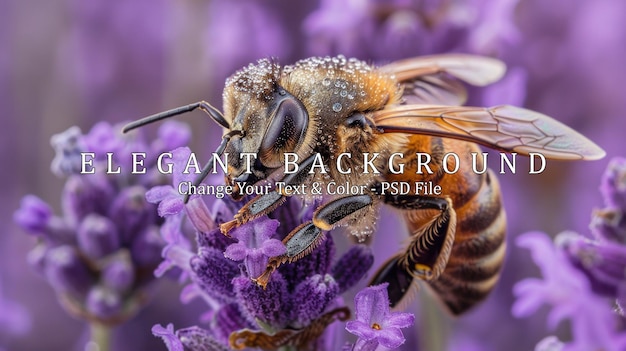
[98,236]
[67,272]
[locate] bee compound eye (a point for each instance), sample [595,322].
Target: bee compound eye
[285,131]
[358,120]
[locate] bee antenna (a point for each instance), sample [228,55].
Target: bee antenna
[214,113]
[207,168]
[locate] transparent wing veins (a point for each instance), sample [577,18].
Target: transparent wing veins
[507,128]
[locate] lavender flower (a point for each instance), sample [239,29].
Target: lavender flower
[300,300]
[375,324]
[580,274]
[255,245]
[99,254]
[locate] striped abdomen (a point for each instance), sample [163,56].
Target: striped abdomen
[478,250]
[457,238]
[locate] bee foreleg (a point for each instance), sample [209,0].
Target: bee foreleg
[306,237]
[266,203]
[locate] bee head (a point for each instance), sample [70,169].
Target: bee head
[272,122]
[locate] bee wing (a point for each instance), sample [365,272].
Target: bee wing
[506,128]
[435,79]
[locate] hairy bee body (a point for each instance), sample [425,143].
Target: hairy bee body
[323,108]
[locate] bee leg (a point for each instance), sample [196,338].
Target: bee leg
[397,276]
[427,255]
[266,203]
[306,237]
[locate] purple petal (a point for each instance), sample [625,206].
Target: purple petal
[372,304]
[265,228]
[256,263]
[360,329]
[198,339]
[167,334]
[273,248]
[390,337]
[529,297]
[159,193]
[180,158]
[549,343]
[236,252]
[399,320]
[199,215]
[170,206]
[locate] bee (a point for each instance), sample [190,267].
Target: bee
[321,108]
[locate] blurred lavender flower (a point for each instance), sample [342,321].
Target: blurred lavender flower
[301,299]
[375,324]
[581,274]
[100,253]
[393,29]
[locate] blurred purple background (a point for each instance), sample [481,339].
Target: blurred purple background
[71,62]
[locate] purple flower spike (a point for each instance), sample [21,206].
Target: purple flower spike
[255,245]
[268,305]
[317,262]
[168,336]
[312,297]
[217,282]
[97,236]
[374,323]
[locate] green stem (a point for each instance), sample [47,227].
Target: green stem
[100,337]
[435,330]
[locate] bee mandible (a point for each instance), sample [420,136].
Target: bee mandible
[321,108]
